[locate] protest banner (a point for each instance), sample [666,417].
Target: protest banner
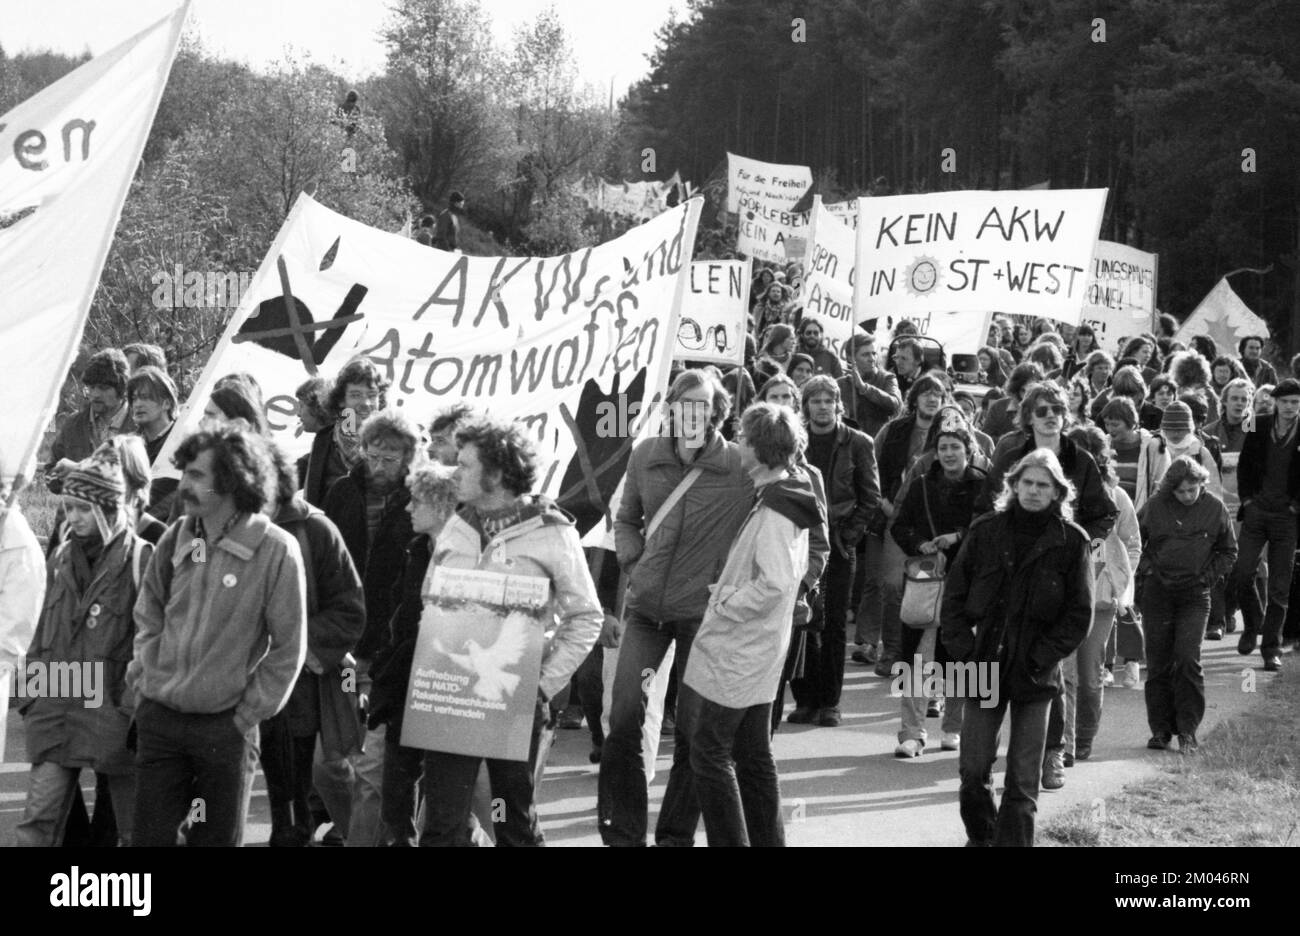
[846,211]
[1224,317]
[67,157]
[762,195]
[1025,253]
[715,313]
[827,290]
[576,347]
[1119,300]
[477,661]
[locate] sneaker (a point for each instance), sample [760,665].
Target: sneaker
[1082,750]
[1187,744]
[1054,771]
[1246,645]
[951,741]
[909,748]
[829,717]
[802,715]
[1132,675]
[934,708]
[867,655]
[884,666]
[570,718]
[1159,742]
[1272,663]
[1107,678]
[333,838]
[1214,633]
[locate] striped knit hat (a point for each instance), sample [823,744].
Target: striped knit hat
[97,480]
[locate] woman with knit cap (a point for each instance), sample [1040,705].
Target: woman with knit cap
[86,627]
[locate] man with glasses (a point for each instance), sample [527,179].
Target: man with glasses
[368,505]
[1042,421]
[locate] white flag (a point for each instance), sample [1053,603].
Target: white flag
[67,156]
[1224,317]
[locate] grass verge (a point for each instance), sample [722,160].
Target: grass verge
[1241,788]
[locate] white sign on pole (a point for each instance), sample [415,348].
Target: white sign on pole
[1018,252]
[827,292]
[1119,300]
[762,194]
[715,313]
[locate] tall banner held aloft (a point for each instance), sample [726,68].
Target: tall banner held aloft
[67,157]
[577,347]
[1224,317]
[827,291]
[762,194]
[715,313]
[1120,298]
[1015,252]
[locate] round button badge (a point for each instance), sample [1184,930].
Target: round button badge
[229,580]
[93,620]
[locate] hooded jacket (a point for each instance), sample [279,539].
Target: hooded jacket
[223,628]
[740,648]
[91,626]
[1024,615]
[1186,547]
[336,617]
[669,577]
[543,543]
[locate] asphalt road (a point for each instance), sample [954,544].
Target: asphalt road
[840,786]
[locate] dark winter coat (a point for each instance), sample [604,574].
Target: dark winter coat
[392,670]
[1024,615]
[323,698]
[1094,509]
[380,562]
[952,507]
[1186,547]
[1254,456]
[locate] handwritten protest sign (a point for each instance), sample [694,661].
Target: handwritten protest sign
[474,675]
[846,211]
[762,194]
[1119,300]
[715,313]
[553,342]
[827,291]
[1018,252]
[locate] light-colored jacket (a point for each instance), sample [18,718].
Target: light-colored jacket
[22,586]
[1153,462]
[1121,551]
[228,632]
[547,545]
[740,648]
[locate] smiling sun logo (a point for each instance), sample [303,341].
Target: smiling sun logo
[922,276]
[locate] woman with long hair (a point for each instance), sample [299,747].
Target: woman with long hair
[990,363]
[1084,344]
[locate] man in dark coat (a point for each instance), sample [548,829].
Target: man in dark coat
[1018,600]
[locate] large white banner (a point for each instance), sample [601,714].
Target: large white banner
[1120,298]
[576,347]
[762,194]
[1018,252]
[715,313]
[827,292]
[67,156]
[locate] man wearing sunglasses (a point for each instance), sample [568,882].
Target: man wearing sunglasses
[1043,424]
[368,505]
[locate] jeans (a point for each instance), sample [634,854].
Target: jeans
[1276,531]
[866,622]
[51,789]
[1013,823]
[891,599]
[449,782]
[403,773]
[657,697]
[366,824]
[924,646]
[1090,658]
[333,780]
[735,774]
[621,803]
[286,763]
[191,764]
[1060,717]
[1175,688]
[823,680]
